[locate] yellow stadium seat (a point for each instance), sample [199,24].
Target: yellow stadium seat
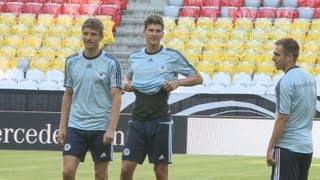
[169,23]
[205,22]
[205,66]
[219,33]
[311,46]
[315,24]
[269,45]
[166,34]
[107,22]
[275,34]
[194,44]
[313,35]
[58,30]
[193,56]
[20,29]
[108,37]
[47,52]
[79,20]
[33,41]
[263,23]
[316,69]
[212,55]
[46,19]
[58,64]
[300,24]
[257,45]
[14,40]
[239,33]
[225,66]
[5,29]
[215,44]
[75,30]
[265,67]
[251,55]
[26,51]
[4,62]
[282,23]
[8,51]
[307,66]
[258,34]
[224,23]
[65,52]
[39,29]
[235,45]
[298,35]
[2,40]
[182,33]
[245,23]
[53,41]
[176,44]
[9,18]
[40,63]
[65,19]
[308,57]
[27,19]
[231,56]
[199,33]
[245,67]
[186,22]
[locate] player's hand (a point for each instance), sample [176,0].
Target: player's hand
[270,159]
[108,136]
[61,136]
[127,85]
[171,85]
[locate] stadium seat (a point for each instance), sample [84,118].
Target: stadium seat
[190,11]
[27,19]
[263,23]
[34,8]
[244,23]
[8,51]
[193,56]
[186,22]
[248,12]
[199,33]
[239,34]
[221,78]
[229,12]
[4,62]
[236,89]
[224,23]
[257,45]
[2,6]
[89,9]
[65,20]
[276,34]
[290,3]
[46,19]
[216,3]
[261,79]
[48,85]
[20,29]
[55,75]
[218,34]
[181,33]
[195,44]
[169,23]
[256,89]
[9,18]
[235,45]
[35,75]
[245,67]
[58,30]
[47,52]
[216,88]
[215,44]
[14,74]
[287,12]
[26,51]
[1,74]
[58,64]
[205,22]
[271,3]
[28,85]
[14,7]
[171,11]
[250,56]
[226,67]
[306,12]
[205,67]
[5,29]
[72,9]
[313,35]
[265,67]
[33,41]
[267,12]
[176,43]
[211,55]
[311,46]
[2,40]
[241,78]
[233,3]
[52,8]
[14,40]
[65,52]
[308,56]
[8,84]
[210,11]
[179,3]
[271,90]
[252,3]
[53,41]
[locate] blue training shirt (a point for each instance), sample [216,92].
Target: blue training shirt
[91,81]
[296,95]
[150,71]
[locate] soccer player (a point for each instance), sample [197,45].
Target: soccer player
[90,104]
[290,147]
[151,76]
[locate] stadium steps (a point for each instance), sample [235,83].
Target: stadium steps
[128,36]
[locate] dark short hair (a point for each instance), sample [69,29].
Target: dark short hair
[289,46]
[153,19]
[95,24]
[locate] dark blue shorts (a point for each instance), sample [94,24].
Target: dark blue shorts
[290,165]
[152,138]
[78,142]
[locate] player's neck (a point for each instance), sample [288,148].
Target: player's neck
[90,53]
[150,49]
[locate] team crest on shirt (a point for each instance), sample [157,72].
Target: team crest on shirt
[101,75]
[162,67]
[76,75]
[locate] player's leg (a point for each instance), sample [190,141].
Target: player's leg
[101,154]
[286,166]
[134,149]
[304,165]
[74,151]
[160,153]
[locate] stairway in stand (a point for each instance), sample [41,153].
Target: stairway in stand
[129,34]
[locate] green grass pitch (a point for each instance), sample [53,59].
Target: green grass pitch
[39,165]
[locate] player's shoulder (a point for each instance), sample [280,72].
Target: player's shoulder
[108,56]
[72,56]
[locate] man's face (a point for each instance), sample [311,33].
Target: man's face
[91,38]
[281,59]
[153,34]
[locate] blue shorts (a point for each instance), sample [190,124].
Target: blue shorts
[290,165]
[152,137]
[78,142]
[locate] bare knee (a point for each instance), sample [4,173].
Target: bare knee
[68,174]
[161,171]
[127,170]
